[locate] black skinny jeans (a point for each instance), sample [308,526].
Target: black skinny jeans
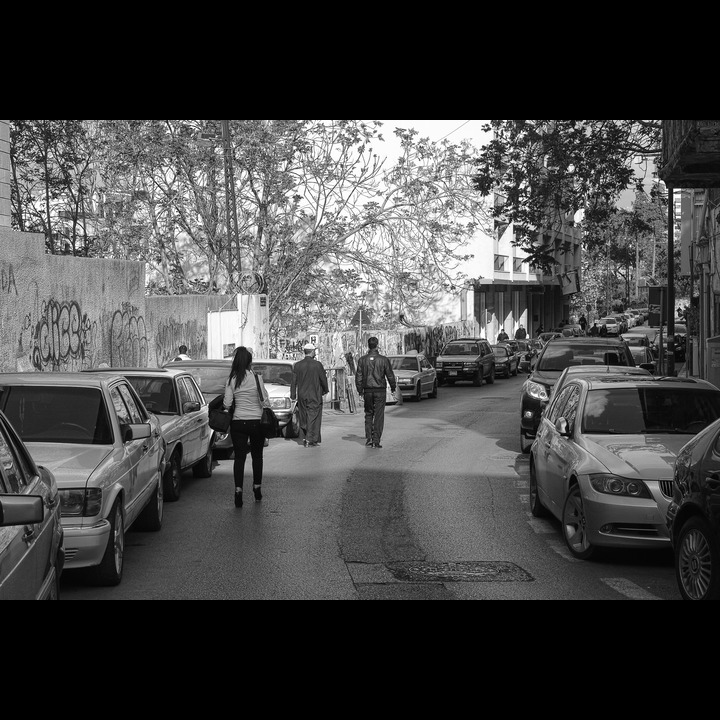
[240,431]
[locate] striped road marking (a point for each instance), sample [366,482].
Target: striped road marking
[629,589]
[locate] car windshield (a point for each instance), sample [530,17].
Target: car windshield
[650,410]
[558,356]
[403,363]
[461,349]
[210,380]
[639,354]
[279,374]
[156,393]
[57,414]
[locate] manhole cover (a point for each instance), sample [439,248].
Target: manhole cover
[470,571]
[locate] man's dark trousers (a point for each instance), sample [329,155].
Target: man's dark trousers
[374,414]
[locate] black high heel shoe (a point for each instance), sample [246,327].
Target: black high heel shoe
[238,498]
[258,494]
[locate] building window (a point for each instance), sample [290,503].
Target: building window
[518,265]
[501,263]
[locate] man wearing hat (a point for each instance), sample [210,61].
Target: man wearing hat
[309,383]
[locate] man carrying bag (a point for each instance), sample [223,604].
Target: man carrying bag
[308,385]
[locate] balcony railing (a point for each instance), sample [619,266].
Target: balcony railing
[690,153]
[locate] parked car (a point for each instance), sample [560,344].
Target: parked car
[611,325]
[414,375]
[693,516]
[107,453]
[574,371]
[642,334]
[571,330]
[466,359]
[175,398]
[212,375]
[506,361]
[552,360]
[644,357]
[547,336]
[603,459]
[32,551]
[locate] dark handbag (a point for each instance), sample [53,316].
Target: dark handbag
[269,424]
[218,418]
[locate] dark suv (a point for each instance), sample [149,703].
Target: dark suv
[466,359]
[548,365]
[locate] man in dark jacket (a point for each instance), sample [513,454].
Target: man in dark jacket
[374,372]
[308,385]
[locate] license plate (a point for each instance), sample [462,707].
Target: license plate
[452,372]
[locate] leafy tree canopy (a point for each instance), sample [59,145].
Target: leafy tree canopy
[540,170]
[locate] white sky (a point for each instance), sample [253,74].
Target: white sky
[436,130]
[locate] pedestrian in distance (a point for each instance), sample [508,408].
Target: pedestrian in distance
[308,385]
[539,330]
[374,373]
[242,387]
[602,332]
[582,322]
[502,336]
[594,332]
[521,333]
[182,354]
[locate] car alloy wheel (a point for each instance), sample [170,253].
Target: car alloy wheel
[574,525]
[109,571]
[697,561]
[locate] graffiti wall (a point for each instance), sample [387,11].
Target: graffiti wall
[180,320]
[62,313]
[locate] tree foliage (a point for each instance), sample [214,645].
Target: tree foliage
[319,214]
[542,170]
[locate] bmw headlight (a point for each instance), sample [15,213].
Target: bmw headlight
[536,390]
[615,485]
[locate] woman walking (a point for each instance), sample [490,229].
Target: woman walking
[245,424]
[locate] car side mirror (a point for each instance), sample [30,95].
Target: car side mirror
[191,406]
[561,425]
[21,510]
[134,431]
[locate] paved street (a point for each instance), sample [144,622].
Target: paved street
[440,512]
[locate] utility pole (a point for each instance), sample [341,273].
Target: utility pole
[233,248]
[670,285]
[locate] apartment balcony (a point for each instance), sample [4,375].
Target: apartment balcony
[690,153]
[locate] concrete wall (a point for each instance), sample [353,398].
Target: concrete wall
[64,313]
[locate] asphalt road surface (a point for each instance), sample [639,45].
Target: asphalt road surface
[439,512]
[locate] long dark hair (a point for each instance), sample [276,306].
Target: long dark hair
[242,360]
